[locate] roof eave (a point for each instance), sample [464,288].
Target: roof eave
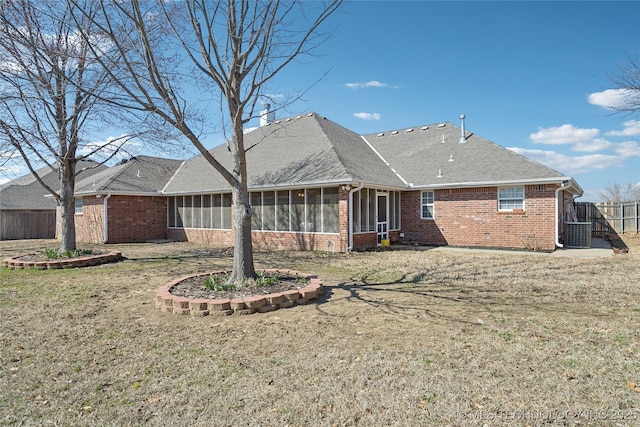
[562,180]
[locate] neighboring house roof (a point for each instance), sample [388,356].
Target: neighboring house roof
[311,150]
[140,175]
[433,156]
[26,193]
[300,151]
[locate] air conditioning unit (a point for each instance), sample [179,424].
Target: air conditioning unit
[577,235]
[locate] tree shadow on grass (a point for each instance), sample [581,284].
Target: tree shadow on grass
[412,296]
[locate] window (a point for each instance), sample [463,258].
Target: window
[427,205]
[394,210]
[268,210]
[200,211]
[256,211]
[78,206]
[330,223]
[297,210]
[510,198]
[314,210]
[282,212]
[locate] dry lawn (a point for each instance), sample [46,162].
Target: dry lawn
[403,338]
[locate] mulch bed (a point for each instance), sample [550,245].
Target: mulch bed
[194,287]
[40,257]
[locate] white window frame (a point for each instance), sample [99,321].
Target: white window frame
[78,205]
[510,198]
[427,204]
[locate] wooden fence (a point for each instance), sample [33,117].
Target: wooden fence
[17,225]
[608,217]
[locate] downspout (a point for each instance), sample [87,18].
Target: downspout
[105,211]
[561,188]
[350,226]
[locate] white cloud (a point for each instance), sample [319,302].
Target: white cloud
[628,149]
[102,149]
[568,164]
[368,116]
[597,144]
[565,134]
[614,99]
[631,128]
[372,83]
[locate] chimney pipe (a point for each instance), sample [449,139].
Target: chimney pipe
[266,115]
[462,138]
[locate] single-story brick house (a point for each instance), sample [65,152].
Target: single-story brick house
[317,185]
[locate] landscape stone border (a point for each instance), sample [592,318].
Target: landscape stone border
[199,307]
[82,261]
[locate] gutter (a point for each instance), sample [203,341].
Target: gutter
[105,212]
[350,226]
[565,184]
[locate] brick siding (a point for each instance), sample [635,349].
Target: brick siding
[131,219]
[470,217]
[463,217]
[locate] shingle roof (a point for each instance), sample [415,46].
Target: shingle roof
[139,175]
[312,150]
[26,193]
[422,153]
[299,151]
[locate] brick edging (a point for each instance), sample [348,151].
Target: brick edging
[83,261]
[199,307]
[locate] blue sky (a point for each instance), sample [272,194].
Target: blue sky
[528,76]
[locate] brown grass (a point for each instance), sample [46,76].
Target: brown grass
[400,338]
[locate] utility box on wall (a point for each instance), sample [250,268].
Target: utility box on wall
[578,235]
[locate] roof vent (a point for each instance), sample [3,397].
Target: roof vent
[395,132]
[310,114]
[443,139]
[439,173]
[424,128]
[441,125]
[451,159]
[380,134]
[462,138]
[409,130]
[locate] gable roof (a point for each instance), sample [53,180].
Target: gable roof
[140,175]
[26,193]
[433,156]
[300,151]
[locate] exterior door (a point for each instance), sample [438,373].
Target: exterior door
[382,217]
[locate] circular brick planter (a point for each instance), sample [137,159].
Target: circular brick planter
[81,261]
[198,307]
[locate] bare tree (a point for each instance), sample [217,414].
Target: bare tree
[621,192]
[233,49]
[626,82]
[50,96]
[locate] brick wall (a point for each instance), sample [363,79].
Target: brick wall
[90,224]
[131,219]
[470,217]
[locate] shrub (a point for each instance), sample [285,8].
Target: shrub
[218,283]
[54,254]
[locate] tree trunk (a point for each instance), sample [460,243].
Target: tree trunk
[67,211]
[242,246]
